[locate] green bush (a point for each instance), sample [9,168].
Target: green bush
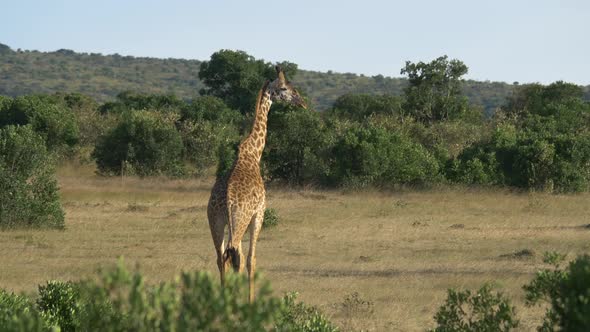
[17,314]
[129,101]
[271,218]
[210,108]
[483,311]
[298,317]
[539,158]
[59,304]
[28,190]
[203,141]
[297,144]
[120,300]
[361,106]
[143,143]
[375,156]
[53,121]
[567,291]
[226,157]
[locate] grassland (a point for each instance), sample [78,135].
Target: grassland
[399,251]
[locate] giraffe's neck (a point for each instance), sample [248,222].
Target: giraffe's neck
[253,145]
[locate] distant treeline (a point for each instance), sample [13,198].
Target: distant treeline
[104,76]
[539,137]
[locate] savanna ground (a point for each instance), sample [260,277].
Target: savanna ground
[399,251]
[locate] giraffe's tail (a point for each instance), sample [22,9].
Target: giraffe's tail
[232,257]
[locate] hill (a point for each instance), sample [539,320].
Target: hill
[104,76]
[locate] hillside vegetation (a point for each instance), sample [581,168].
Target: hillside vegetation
[25,72]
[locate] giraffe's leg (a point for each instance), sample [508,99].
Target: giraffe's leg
[255,228]
[217,227]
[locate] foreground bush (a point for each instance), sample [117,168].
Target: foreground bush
[143,143]
[17,313]
[28,190]
[122,301]
[567,291]
[482,311]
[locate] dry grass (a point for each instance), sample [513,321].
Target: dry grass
[398,251]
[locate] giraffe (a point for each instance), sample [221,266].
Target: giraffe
[238,199]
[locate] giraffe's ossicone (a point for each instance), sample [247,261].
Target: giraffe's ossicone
[238,199]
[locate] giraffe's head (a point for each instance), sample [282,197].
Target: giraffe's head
[282,90]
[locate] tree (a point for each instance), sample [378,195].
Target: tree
[236,77]
[541,100]
[361,106]
[434,90]
[28,190]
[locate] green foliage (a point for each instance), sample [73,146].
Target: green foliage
[298,317]
[104,76]
[370,155]
[360,106]
[17,314]
[271,218]
[121,300]
[53,121]
[572,305]
[208,127]
[545,148]
[204,140]
[129,100]
[297,143]
[143,143]
[210,108]
[540,100]
[226,157]
[434,90]
[567,291]
[236,77]
[59,304]
[28,190]
[482,311]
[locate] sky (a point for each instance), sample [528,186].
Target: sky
[517,40]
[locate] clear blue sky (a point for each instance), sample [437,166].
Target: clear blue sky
[518,40]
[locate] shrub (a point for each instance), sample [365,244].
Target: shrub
[374,156]
[203,141]
[210,108]
[121,301]
[297,143]
[144,143]
[271,218]
[59,304]
[17,314]
[567,291]
[360,106]
[480,311]
[129,101]
[298,317]
[52,120]
[226,157]
[28,190]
